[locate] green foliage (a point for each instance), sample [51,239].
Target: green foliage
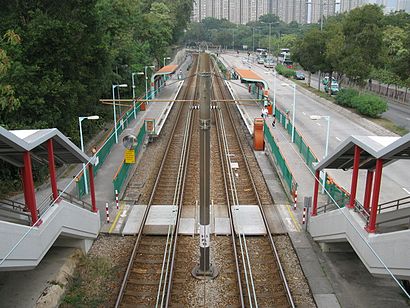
[370,105]
[284,71]
[345,97]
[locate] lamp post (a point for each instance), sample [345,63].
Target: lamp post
[80,119]
[166,58]
[274,89]
[113,104]
[146,80]
[294,109]
[133,90]
[318,117]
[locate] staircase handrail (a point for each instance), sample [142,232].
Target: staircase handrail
[393,204]
[74,200]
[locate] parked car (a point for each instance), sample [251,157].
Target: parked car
[299,75]
[260,60]
[269,64]
[325,80]
[334,88]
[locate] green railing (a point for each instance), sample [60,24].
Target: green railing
[124,169]
[107,145]
[280,161]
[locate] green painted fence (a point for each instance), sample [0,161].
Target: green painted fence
[280,161]
[124,169]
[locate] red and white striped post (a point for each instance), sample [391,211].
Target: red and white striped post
[295,199]
[304,216]
[116,198]
[107,213]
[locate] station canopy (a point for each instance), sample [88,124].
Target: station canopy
[389,149]
[14,143]
[250,76]
[168,69]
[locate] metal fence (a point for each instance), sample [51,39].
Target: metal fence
[280,161]
[124,169]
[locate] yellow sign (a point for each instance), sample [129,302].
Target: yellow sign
[129,156]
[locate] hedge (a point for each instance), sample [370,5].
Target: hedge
[370,105]
[345,97]
[284,71]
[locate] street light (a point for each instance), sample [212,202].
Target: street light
[124,85]
[294,109]
[274,89]
[318,117]
[80,119]
[133,90]
[166,58]
[146,80]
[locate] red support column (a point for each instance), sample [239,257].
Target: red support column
[30,195]
[315,193]
[52,168]
[355,176]
[371,227]
[92,190]
[368,191]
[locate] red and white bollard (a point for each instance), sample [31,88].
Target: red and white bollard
[116,198]
[295,200]
[304,216]
[107,213]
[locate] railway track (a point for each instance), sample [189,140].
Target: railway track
[145,280]
[159,271]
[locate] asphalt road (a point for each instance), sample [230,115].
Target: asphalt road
[395,183]
[397,113]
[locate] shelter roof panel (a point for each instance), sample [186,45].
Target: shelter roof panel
[373,147]
[249,75]
[14,143]
[168,69]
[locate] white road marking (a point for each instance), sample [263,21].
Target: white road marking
[318,124]
[408,119]
[406,190]
[338,139]
[304,113]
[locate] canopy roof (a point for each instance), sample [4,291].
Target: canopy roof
[14,143]
[168,69]
[250,76]
[389,149]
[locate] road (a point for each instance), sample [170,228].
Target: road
[395,183]
[397,113]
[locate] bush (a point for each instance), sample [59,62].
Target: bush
[345,97]
[284,71]
[370,105]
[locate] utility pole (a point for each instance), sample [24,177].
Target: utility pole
[205,270]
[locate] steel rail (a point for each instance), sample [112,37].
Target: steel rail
[276,255]
[145,215]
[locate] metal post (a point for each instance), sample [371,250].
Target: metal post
[93,202]
[293,115]
[368,190]
[29,185]
[315,192]
[133,94]
[327,135]
[253,40]
[355,176]
[371,228]
[307,201]
[146,83]
[205,268]
[274,92]
[52,169]
[270,31]
[115,115]
[80,119]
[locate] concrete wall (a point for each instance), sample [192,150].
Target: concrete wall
[393,248]
[63,219]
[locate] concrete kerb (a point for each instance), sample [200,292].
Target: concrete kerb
[375,128]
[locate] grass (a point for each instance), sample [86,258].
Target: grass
[389,125]
[91,284]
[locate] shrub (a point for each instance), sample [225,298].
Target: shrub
[370,105]
[284,71]
[345,97]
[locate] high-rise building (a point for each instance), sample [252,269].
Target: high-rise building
[301,11]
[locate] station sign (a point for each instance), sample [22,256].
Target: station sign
[129,156]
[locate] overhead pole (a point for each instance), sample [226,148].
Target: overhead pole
[205,269]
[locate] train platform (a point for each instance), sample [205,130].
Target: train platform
[330,278]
